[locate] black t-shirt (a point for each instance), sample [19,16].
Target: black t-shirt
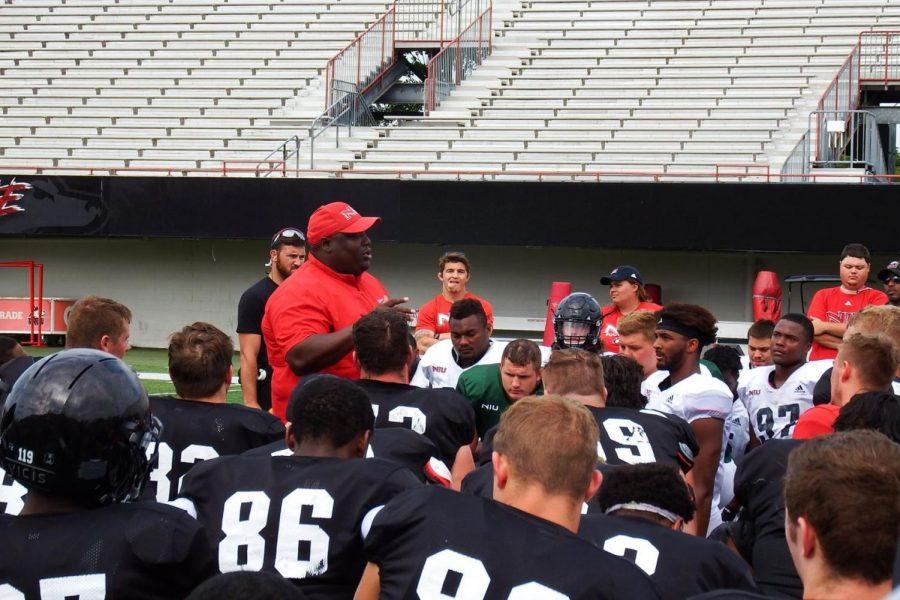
[251,308]
[195,431]
[759,488]
[139,550]
[402,446]
[434,542]
[11,370]
[293,515]
[629,436]
[441,414]
[822,389]
[680,564]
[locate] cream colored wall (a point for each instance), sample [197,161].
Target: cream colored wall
[168,283]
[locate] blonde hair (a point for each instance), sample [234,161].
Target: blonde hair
[574,371]
[550,441]
[883,319]
[639,321]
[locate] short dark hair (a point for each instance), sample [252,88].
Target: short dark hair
[692,316]
[467,307]
[871,410]
[453,257]
[856,251]
[330,408]
[199,357]
[725,357]
[7,345]
[623,376]
[91,318]
[846,486]
[761,329]
[804,322]
[247,584]
[381,340]
[657,484]
[522,353]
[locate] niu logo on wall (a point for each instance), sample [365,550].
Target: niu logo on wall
[9,196]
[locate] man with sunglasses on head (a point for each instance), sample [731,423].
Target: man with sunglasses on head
[287,252]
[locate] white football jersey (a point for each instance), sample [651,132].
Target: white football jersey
[650,385]
[697,397]
[439,369]
[774,412]
[896,386]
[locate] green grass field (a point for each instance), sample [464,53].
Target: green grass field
[152,360]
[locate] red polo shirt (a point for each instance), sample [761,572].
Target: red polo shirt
[314,300]
[609,333]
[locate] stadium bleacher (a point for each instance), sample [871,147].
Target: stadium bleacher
[571,86]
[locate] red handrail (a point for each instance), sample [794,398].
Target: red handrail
[458,173]
[437,60]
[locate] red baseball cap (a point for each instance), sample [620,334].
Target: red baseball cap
[336,217]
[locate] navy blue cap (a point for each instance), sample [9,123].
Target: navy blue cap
[623,273]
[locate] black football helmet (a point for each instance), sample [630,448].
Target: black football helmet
[77,424]
[577,322]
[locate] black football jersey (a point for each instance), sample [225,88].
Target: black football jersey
[629,436]
[293,515]
[142,550]
[441,414]
[681,565]
[759,488]
[12,494]
[196,431]
[435,543]
[402,446]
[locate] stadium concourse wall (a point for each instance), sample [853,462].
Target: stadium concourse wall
[177,250]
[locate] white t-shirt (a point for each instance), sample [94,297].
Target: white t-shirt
[774,412]
[438,369]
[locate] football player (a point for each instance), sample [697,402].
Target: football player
[402,446]
[470,344]
[300,516]
[645,508]
[383,355]
[682,330]
[435,543]
[842,502]
[775,396]
[198,423]
[74,431]
[627,435]
[576,323]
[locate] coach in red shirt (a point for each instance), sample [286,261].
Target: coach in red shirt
[308,320]
[627,293]
[831,308]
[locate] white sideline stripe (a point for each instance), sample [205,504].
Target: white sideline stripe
[165,377]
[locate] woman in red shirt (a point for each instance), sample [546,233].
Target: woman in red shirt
[626,290]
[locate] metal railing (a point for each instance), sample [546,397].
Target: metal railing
[436,20]
[879,57]
[278,158]
[348,110]
[658,176]
[848,140]
[874,59]
[456,61]
[796,167]
[365,59]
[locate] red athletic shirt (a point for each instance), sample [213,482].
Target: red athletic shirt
[435,314]
[609,335]
[818,420]
[314,300]
[834,306]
